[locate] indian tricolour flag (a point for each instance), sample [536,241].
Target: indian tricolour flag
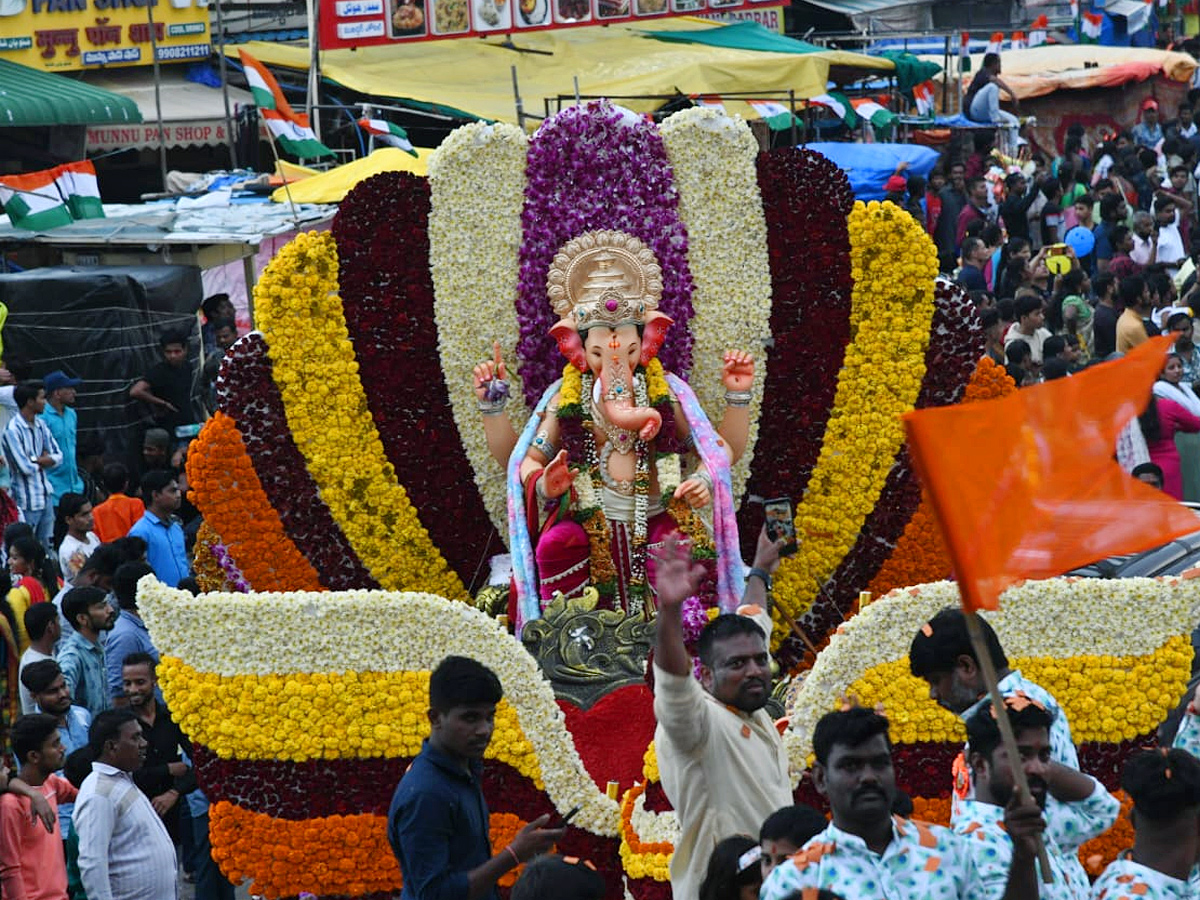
[877,115]
[294,134]
[1037,31]
[709,101]
[1019,41]
[777,115]
[1091,24]
[964,52]
[289,128]
[996,44]
[839,106]
[33,201]
[78,186]
[388,133]
[925,96]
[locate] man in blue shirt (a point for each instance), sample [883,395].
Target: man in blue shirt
[30,450]
[438,821]
[129,634]
[44,680]
[80,653]
[161,529]
[60,418]
[1148,132]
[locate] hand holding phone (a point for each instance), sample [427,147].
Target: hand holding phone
[780,524]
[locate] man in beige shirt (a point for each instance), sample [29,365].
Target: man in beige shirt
[722,760]
[1131,329]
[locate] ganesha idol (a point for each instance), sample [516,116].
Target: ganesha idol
[595,480]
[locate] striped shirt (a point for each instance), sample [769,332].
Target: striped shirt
[23,444]
[125,852]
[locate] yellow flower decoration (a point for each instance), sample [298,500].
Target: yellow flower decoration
[571,392]
[300,315]
[894,264]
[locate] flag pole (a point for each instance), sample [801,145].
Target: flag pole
[286,189]
[1007,736]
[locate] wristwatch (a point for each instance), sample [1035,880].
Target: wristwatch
[756,572]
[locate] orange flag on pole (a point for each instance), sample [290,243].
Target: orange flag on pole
[1027,487]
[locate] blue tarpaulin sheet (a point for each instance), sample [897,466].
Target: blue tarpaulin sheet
[869,165]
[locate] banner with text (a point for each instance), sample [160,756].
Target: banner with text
[358,23]
[58,35]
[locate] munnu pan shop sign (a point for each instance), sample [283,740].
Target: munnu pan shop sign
[60,35]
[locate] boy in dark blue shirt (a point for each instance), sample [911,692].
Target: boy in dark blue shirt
[438,823]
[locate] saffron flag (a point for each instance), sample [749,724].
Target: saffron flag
[996,44]
[33,201]
[1037,31]
[924,95]
[388,133]
[1026,486]
[839,105]
[1091,25]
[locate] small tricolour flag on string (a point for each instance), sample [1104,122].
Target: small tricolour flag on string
[925,96]
[388,133]
[1018,41]
[1075,10]
[776,115]
[964,52]
[1037,31]
[840,106]
[290,128]
[879,116]
[709,101]
[77,185]
[1091,25]
[996,44]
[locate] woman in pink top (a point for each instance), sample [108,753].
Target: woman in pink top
[1160,420]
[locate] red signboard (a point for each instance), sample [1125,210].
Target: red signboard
[359,23]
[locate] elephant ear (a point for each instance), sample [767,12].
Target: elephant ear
[653,334]
[570,344]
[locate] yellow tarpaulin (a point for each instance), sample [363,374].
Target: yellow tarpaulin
[474,76]
[332,186]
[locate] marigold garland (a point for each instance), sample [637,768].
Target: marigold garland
[227,491]
[477,185]
[301,317]
[284,857]
[880,380]
[714,160]
[920,555]
[639,859]
[247,393]
[207,571]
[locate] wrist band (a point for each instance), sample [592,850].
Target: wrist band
[513,854]
[738,398]
[492,407]
[756,572]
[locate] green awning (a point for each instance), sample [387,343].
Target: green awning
[29,97]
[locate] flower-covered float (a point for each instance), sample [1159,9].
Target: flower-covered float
[353,497]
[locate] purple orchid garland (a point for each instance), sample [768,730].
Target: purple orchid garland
[233,575]
[591,167]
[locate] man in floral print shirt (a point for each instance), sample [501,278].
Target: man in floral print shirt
[1087,810]
[866,852]
[1165,788]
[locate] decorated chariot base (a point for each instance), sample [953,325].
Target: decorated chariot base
[360,473]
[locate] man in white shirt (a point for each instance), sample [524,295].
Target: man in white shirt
[1029,326]
[125,852]
[41,624]
[722,760]
[1170,242]
[1087,810]
[868,852]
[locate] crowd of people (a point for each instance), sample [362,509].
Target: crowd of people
[103,802]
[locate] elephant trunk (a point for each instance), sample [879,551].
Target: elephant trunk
[617,402]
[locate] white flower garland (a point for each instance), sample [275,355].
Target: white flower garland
[374,631]
[1055,618]
[653,827]
[713,158]
[477,185]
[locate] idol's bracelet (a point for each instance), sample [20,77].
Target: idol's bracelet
[492,407]
[738,398]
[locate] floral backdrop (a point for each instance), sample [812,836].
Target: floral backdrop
[346,485]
